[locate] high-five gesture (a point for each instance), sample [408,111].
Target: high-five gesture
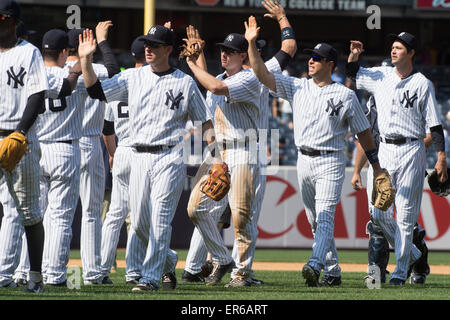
[276,11]
[87,45]
[356,48]
[251,29]
[101,30]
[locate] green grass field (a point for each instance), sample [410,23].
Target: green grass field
[279,285]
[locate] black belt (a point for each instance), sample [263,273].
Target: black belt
[398,141]
[152,149]
[315,153]
[4,133]
[65,141]
[236,143]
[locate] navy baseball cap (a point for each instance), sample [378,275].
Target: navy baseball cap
[21,30]
[406,38]
[236,42]
[55,39]
[137,47]
[10,8]
[323,50]
[73,35]
[160,35]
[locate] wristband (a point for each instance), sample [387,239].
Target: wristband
[282,17]
[287,33]
[372,156]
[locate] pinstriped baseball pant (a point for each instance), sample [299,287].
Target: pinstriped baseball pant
[406,166]
[156,183]
[320,183]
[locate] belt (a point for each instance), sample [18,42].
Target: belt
[235,143]
[314,153]
[65,141]
[397,141]
[4,133]
[152,149]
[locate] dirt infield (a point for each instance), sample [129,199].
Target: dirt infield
[293,266]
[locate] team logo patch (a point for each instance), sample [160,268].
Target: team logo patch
[173,101]
[407,100]
[318,47]
[229,38]
[152,30]
[333,107]
[17,78]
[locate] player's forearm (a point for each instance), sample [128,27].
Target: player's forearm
[288,42]
[428,140]
[209,82]
[89,76]
[110,143]
[259,68]
[353,57]
[109,59]
[35,105]
[370,149]
[360,158]
[201,62]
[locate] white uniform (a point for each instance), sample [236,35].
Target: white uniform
[322,117]
[236,118]
[22,74]
[159,106]
[92,183]
[405,109]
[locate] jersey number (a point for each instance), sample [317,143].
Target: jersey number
[122,110]
[57,105]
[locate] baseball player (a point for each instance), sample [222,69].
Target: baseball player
[406,105]
[323,112]
[22,88]
[378,245]
[276,64]
[92,173]
[116,123]
[157,170]
[234,98]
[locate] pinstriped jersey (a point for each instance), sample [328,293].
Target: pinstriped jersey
[22,74]
[405,106]
[117,112]
[63,117]
[94,112]
[239,112]
[159,106]
[322,115]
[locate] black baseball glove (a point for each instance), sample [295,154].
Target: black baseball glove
[441,189]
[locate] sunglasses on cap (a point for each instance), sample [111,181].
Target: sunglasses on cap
[153,45]
[316,58]
[4,17]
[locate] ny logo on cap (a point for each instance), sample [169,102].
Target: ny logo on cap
[229,38]
[401,34]
[17,78]
[334,107]
[318,47]
[152,30]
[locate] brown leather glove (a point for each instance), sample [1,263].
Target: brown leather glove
[12,149]
[383,195]
[217,185]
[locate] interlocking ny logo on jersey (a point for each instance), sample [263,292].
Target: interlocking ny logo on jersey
[17,78]
[170,98]
[409,100]
[333,107]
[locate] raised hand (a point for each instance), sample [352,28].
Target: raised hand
[276,11]
[356,47]
[101,30]
[251,29]
[87,45]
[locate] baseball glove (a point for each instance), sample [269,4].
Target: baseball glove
[217,185]
[383,194]
[12,148]
[441,189]
[192,47]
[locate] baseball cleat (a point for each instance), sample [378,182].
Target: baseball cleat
[238,282]
[218,272]
[190,277]
[311,276]
[144,287]
[107,280]
[11,285]
[21,282]
[396,282]
[169,281]
[133,281]
[417,278]
[34,287]
[61,284]
[254,281]
[329,281]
